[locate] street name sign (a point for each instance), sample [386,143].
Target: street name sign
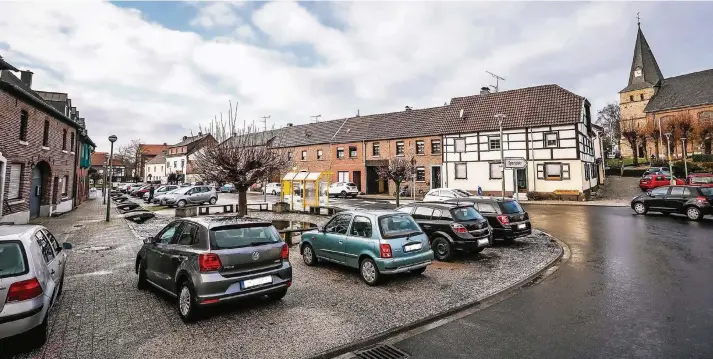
[515,163]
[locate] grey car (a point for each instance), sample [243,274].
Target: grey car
[32,266]
[191,195]
[215,259]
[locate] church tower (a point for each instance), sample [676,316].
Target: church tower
[644,77]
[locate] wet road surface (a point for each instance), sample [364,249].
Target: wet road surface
[634,287]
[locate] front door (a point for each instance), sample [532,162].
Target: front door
[35,192]
[522,179]
[157,257]
[357,179]
[435,177]
[330,244]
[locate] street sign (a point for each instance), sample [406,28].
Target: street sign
[515,163]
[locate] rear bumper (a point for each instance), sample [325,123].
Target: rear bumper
[474,243]
[405,264]
[18,323]
[512,233]
[214,286]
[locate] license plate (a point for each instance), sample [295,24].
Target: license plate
[522,226]
[413,247]
[257,281]
[482,242]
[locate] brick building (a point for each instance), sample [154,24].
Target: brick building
[39,149]
[100,159]
[145,154]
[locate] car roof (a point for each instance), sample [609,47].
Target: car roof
[223,220]
[371,213]
[17,232]
[700,174]
[439,204]
[480,199]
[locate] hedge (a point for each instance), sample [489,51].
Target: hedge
[702,158]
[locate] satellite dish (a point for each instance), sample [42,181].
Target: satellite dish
[462,112]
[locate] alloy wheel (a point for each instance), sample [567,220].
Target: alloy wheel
[639,208]
[184,302]
[693,213]
[368,271]
[307,255]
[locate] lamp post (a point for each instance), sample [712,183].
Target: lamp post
[685,164]
[413,178]
[112,139]
[500,117]
[668,151]
[104,184]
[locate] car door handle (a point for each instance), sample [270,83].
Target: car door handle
[340,242]
[52,271]
[426,226]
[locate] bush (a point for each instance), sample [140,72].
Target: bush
[702,158]
[680,171]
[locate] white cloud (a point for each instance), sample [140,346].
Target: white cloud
[216,14]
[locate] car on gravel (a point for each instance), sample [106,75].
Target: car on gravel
[693,201]
[700,179]
[192,195]
[451,227]
[445,194]
[506,217]
[211,260]
[161,198]
[343,189]
[378,243]
[32,264]
[650,182]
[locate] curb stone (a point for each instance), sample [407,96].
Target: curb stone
[344,351]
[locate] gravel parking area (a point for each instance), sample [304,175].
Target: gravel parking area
[103,315]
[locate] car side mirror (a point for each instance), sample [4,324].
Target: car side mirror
[149,240]
[66,245]
[649,193]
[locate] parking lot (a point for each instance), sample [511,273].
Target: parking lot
[102,314]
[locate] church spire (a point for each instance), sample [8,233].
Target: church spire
[645,71]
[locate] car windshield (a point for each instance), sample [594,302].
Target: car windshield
[461,193]
[511,207]
[235,237]
[397,225]
[466,214]
[703,180]
[12,260]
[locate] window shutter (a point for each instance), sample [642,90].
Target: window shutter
[540,171]
[15,179]
[565,171]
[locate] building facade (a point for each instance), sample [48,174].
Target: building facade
[146,153]
[178,157]
[155,169]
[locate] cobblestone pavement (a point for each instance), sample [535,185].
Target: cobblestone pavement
[102,315]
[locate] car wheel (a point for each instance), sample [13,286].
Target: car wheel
[141,283]
[277,295]
[61,286]
[308,255]
[419,271]
[187,308]
[640,208]
[181,204]
[274,193]
[344,194]
[369,271]
[213,200]
[37,336]
[442,249]
[693,213]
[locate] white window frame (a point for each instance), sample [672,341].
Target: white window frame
[15,181]
[459,145]
[340,149]
[423,146]
[303,156]
[440,147]
[490,170]
[320,154]
[490,143]
[564,171]
[421,168]
[403,148]
[556,139]
[456,172]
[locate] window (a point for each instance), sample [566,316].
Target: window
[375,149]
[183,163]
[45,247]
[23,125]
[686,192]
[400,148]
[15,181]
[595,171]
[51,238]
[553,171]
[631,98]
[420,147]
[46,134]
[460,144]
[13,259]
[642,97]
[65,182]
[446,194]
[352,151]
[361,227]
[496,170]
[231,237]
[319,154]
[188,235]
[343,176]
[175,163]
[486,208]
[461,171]
[397,225]
[422,213]
[676,191]
[551,139]
[586,171]
[660,191]
[466,214]
[167,234]
[338,224]
[405,209]
[420,174]
[71,143]
[64,139]
[289,156]
[304,156]
[435,147]
[340,153]
[494,143]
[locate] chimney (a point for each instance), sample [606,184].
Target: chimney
[185,138]
[484,90]
[165,144]
[289,124]
[408,108]
[200,133]
[26,77]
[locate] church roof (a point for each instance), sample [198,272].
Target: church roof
[645,60]
[683,91]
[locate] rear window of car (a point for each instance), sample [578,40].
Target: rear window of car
[461,193]
[397,225]
[465,214]
[228,237]
[13,261]
[702,180]
[511,207]
[351,184]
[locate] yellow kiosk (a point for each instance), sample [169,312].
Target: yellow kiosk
[303,189]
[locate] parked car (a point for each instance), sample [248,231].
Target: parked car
[159,191]
[215,259]
[445,194]
[228,188]
[506,217]
[31,280]
[451,227]
[700,179]
[693,201]
[376,242]
[140,192]
[161,198]
[344,189]
[652,181]
[134,186]
[272,188]
[192,195]
[657,171]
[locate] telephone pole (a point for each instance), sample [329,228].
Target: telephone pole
[316,118]
[497,81]
[264,121]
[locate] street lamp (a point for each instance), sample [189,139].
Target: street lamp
[685,165]
[104,172]
[112,139]
[413,178]
[500,117]
[668,150]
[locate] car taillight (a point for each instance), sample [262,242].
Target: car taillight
[285,253]
[209,262]
[385,250]
[701,199]
[458,228]
[504,219]
[24,290]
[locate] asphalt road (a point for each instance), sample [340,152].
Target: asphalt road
[634,287]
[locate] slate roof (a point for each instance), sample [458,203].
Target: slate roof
[644,59]
[683,91]
[307,134]
[546,105]
[189,140]
[6,66]
[159,159]
[393,125]
[55,99]
[98,159]
[152,150]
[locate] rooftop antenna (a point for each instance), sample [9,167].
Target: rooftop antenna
[638,20]
[497,81]
[316,118]
[264,121]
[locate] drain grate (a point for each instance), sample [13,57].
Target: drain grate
[381,351]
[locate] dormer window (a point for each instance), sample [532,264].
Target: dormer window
[637,72]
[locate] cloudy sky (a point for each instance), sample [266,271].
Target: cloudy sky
[156,70]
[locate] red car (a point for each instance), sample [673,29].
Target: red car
[652,181]
[700,179]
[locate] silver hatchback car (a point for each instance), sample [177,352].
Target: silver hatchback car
[32,264]
[191,195]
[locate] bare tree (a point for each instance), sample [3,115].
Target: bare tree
[651,129]
[631,133]
[609,118]
[398,170]
[129,157]
[683,124]
[242,157]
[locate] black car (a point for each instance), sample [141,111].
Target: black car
[451,227]
[693,201]
[506,216]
